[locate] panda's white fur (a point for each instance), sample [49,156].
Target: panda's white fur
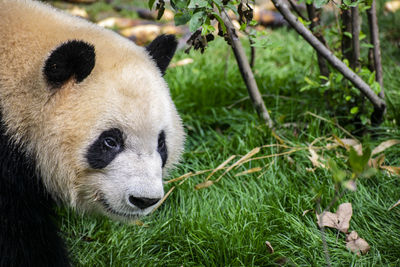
[124,90]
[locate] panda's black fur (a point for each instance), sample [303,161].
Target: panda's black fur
[29,234]
[28,231]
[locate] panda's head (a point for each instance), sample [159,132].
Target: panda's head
[108,130]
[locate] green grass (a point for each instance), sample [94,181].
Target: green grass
[228,223]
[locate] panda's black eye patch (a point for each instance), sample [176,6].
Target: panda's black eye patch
[106,147]
[162,148]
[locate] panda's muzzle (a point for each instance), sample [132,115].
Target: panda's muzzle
[142,202]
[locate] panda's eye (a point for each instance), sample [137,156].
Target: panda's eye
[107,146]
[162,148]
[110,143]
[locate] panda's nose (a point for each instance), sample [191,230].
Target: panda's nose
[143,202]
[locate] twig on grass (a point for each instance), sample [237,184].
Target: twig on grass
[267,95]
[334,123]
[164,198]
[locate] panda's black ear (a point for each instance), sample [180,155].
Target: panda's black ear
[71,59]
[162,49]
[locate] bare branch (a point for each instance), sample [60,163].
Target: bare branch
[313,16]
[246,71]
[355,33]
[379,104]
[252,53]
[294,7]
[374,32]
[346,29]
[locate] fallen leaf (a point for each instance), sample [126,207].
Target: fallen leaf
[384,145]
[351,185]
[339,220]
[314,158]
[348,142]
[140,223]
[392,169]
[305,212]
[377,161]
[330,146]
[269,247]
[356,244]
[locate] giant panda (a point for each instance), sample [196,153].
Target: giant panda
[86,120]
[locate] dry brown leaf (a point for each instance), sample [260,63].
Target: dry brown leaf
[305,212]
[182,62]
[351,185]
[204,185]
[339,220]
[269,247]
[348,142]
[140,223]
[391,169]
[384,145]
[330,146]
[356,244]
[310,169]
[314,158]
[377,161]
[252,170]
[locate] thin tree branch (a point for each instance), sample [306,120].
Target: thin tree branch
[374,32]
[294,7]
[313,16]
[246,71]
[355,33]
[346,29]
[379,104]
[252,53]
